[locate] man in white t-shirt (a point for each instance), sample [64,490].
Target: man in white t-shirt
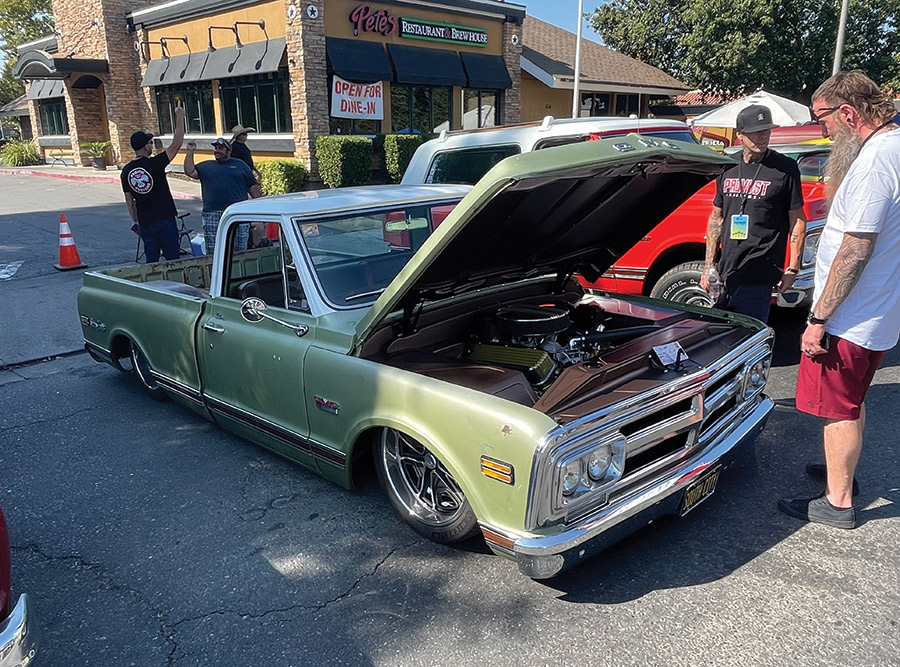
[855,316]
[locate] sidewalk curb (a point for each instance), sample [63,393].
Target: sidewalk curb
[24,171]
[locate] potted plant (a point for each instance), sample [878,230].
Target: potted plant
[96,151]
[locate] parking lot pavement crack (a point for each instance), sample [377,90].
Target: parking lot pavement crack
[303,607]
[38,422]
[349,592]
[106,582]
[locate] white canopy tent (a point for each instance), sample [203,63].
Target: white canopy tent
[785,112]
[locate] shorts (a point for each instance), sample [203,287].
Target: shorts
[834,385]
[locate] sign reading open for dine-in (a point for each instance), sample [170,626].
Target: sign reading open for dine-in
[357,100]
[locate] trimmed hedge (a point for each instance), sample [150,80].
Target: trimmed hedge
[344,160]
[398,151]
[17,153]
[279,177]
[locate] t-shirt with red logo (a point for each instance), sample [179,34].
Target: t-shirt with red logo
[145,179]
[753,251]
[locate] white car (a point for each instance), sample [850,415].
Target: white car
[465,156]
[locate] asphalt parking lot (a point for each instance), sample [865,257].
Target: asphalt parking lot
[148,536]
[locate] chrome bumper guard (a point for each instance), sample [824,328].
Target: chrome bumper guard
[547,556]
[18,637]
[800,293]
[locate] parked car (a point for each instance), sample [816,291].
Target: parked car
[464,156]
[18,634]
[486,388]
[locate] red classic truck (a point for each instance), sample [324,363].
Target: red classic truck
[667,262]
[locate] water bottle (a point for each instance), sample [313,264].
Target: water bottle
[715,285]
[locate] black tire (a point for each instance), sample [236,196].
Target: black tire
[142,370]
[422,491]
[681,284]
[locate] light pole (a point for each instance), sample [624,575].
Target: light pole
[842,29]
[576,88]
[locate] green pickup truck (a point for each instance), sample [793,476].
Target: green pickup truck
[438,335]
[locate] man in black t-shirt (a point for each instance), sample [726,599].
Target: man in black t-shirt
[147,193]
[758,206]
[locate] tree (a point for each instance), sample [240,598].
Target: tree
[737,46]
[20,21]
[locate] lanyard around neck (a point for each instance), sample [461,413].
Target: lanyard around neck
[752,183]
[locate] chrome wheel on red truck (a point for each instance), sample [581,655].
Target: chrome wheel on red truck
[681,284]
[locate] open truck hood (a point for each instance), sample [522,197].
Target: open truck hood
[566,210]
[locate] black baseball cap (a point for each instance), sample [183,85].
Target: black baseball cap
[140,139]
[755,118]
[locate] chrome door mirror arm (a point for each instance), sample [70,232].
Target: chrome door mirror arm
[253,309]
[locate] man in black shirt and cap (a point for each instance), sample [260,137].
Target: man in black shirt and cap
[757,208]
[147,193]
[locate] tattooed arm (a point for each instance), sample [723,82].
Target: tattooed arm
[713,232]
[849,262]
[798,235]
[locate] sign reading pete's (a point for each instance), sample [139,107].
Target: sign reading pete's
[366,19]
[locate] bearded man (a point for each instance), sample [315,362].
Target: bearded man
[855,316]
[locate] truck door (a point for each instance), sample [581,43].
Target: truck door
[252,372]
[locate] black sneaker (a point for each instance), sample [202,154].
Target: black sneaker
[819,510]
[819,472]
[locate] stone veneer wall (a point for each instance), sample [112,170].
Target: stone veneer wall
[308,79]
[98,29]
[511,111]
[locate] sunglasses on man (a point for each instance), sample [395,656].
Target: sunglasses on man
[819,114]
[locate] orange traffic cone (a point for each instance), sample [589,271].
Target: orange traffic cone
[68,253]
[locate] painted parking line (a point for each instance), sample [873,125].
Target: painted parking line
[7,271]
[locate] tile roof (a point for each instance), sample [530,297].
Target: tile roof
[553,50]
[698,98]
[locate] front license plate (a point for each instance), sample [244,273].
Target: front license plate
[699,491]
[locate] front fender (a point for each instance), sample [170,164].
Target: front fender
[457,424]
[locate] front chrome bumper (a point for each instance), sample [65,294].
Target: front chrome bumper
[18,636]
[546,556]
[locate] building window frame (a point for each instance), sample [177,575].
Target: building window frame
[197,98]
[54,117]
[410,92]
[596,104]
[261,101]
[479,96]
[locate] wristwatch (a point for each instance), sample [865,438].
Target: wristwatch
[812,319]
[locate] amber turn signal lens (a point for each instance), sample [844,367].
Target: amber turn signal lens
[498,470]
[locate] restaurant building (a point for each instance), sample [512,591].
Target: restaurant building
[296,70]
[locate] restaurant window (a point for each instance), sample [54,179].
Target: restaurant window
[198,107]
[595,104]
[354,126]
[53,116]
[261,101]
[481,108]
[627,105]
[419,109]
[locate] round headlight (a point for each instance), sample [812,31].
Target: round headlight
[571,477]
[758,373]
[810,247]
[598,463]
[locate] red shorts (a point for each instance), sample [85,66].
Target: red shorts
[833,385]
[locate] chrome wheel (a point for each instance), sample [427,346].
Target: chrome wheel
[142,369]
[422,490]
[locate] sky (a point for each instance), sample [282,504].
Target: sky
[562,13]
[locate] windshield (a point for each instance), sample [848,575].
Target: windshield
[355,257]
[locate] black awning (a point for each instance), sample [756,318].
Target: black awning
[46,89]
[254,58]
[484,71]
[426,67]
[37,64]
[359,62]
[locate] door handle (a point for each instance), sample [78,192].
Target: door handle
[215,328]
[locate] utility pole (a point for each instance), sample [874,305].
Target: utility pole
[842,29]
[576,88]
